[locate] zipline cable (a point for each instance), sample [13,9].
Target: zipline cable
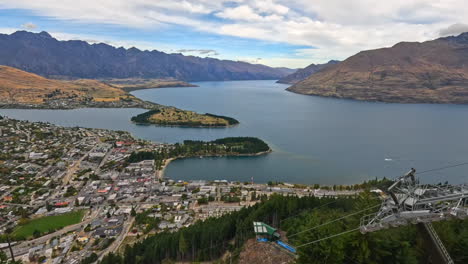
[325,238]
[340,218]
[310,210]
[356,229]
[443,168]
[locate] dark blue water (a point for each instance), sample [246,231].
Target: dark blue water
[315,140]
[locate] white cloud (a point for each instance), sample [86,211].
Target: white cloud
[242,12]
[5,30]
[333,29]
[29,26]
[184,6]
[453,30]
[251,60]
[269,6]
[94,39]
[198,52]
[246,13]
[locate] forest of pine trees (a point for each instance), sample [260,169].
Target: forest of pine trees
[209,240]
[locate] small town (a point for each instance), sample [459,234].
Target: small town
[73,103]
[74,195]
[233,132]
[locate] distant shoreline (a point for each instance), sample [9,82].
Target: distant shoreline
[396,100]
[178,85]
[45,107]
[182,126]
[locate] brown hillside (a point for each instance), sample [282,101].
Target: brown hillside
[17,86]
[429,72]
[264,253]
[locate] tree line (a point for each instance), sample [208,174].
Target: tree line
[231,121]
[193,148]
[209,240]
[144,117]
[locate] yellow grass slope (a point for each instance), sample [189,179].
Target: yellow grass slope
[172,116]
[17,86]
[100,91]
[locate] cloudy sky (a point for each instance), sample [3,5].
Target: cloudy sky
[291,33]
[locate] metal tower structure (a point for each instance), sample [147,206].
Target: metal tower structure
[409,202]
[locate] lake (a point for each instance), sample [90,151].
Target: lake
[315,140]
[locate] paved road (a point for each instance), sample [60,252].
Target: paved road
[103,161]
[71,170]
[14,204]
[118,241]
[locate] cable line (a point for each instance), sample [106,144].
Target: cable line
[315,227]
[443,168]
[310,210]
[332,236]
[355,213]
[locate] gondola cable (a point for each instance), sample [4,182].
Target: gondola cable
[335,220]
[325,238]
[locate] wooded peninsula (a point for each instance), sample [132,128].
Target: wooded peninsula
[230,146]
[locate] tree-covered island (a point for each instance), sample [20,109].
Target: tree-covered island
[176,117]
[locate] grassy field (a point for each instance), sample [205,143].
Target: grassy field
[48,223]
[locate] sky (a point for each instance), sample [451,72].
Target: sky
[278,33]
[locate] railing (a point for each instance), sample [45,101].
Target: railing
[440,246]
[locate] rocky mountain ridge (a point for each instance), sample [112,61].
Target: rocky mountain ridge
[42,54]
[302,74]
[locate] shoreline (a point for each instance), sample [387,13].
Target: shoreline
[187,120]
[404,101]
[132,89]
[104,105]
[160,173]
[183,126]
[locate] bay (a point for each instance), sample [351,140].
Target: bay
[315,139]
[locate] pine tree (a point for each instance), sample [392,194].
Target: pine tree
[183,247]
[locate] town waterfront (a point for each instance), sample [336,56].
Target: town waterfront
[315,140]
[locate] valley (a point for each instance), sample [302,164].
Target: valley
[310,135]
[233,132]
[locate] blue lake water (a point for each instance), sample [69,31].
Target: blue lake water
[315,140]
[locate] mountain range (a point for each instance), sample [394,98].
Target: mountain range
[302,74]
[434,71]
[42,54]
